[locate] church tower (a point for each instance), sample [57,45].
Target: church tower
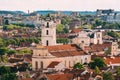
[48,36]
[114,48]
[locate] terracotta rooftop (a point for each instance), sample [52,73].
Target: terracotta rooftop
[97,47]
[65,50]
[60,76]
[107,37]
[112,60]
[62,47]
[27,79]
[67,53]
[53,64]
[76,30]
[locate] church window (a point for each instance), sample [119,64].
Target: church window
[69,64]
[47,43]
[47,32]
[82,41]
[98,35]
[42,64]
[65,63]
[47,24]
[73,62]
[36,65]
[81,61]
[85,60]
[98,42]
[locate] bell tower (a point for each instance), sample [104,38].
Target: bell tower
[114,48]
[48,36]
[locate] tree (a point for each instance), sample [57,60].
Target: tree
[25,51]
[97,70]
[118,71]
[6,22]
[108,76]
[59,28]
[10,76]
[65,20]
[65,30]
[10,52]
[62,40]
[1,42]
[4,70]
[2,52]
[78,66]
[99,62]
[108,51]
[113,34]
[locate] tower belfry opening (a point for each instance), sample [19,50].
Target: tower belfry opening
[48,35]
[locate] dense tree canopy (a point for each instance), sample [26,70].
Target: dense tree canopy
[78,66]
[114,34]
[10,52]
[99,62]
[118,71]
[108,76]
[62,40]
[97,70]
[6,74]
[4,70]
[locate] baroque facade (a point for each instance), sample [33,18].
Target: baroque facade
[48,53]
[68,55]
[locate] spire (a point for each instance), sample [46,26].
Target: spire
[48,18]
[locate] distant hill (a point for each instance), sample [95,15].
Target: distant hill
[44,12]
[12,12]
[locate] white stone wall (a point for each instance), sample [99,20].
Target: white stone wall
[60,67]
[67,61]
[51,37]
[114,48]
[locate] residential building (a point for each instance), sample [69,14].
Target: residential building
[87,38]
[108,15]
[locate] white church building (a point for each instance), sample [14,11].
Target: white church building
[49,55]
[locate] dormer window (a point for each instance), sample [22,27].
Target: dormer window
[47,25]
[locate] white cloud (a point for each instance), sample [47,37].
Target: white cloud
[59,4]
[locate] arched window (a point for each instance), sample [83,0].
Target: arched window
[65,63]
[85,60]
[47,43]
[73,62]
[42,64]
[47,33]
[36,65]
[69,64]
[81,61]
[47,24]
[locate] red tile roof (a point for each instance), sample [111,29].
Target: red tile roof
[61,47]
[67,53]
[65,50]
[112,60]
[53,64]
[107,37]
[27,79]
[97,47]
[76,30]
[60,76]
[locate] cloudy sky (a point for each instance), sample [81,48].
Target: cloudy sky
[75,5]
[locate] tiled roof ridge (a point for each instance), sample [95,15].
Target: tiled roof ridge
[63,50]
